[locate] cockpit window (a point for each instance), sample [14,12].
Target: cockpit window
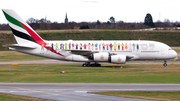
[170,49]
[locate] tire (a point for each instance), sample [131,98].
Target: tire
[164,64]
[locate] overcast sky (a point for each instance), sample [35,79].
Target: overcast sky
[93,10]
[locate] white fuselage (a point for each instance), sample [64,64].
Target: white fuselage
[80,50]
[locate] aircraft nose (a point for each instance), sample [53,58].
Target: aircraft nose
[174,54]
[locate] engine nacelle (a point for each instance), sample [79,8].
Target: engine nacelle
[121,59]
[101,57]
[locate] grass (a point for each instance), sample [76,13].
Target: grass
[77,74]
[11,97]
[15,56]
[168,37]
[159,96]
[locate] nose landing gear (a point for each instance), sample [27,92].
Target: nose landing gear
[165,64]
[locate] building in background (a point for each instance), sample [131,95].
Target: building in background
[66,19]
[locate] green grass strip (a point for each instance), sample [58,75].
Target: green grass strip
[12,97]
[75,73]
[160,96]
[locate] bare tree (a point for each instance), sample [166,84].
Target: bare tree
[42,24]
[31,20]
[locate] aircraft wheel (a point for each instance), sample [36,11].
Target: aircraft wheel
[164,64]
[83,65]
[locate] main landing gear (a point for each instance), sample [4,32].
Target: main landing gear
[88,64]
[165,64]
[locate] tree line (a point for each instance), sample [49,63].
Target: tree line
[44,24]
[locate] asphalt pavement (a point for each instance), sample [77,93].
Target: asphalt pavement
[79,91]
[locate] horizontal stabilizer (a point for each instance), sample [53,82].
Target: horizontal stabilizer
[19,46]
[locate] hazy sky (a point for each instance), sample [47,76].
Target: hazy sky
[93,10]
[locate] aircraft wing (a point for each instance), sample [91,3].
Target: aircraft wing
[81,52]
[88,53]
[129,57]
[19,46]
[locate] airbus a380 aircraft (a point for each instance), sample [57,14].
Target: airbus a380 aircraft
[115,51]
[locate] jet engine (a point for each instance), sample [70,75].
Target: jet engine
[105,57]
[120,59]
[101,57]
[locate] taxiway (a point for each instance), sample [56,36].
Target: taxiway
[79,91]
